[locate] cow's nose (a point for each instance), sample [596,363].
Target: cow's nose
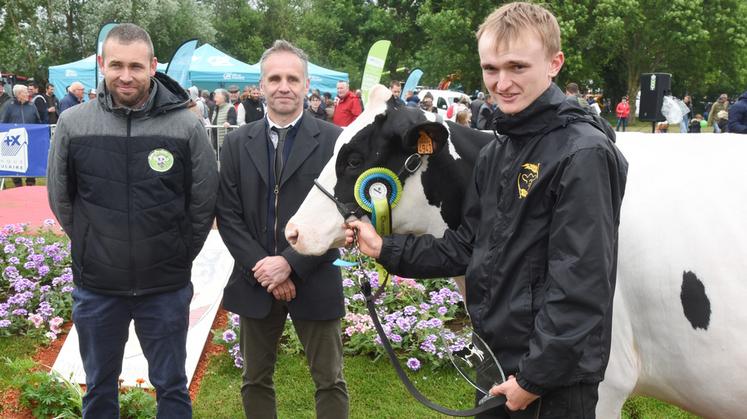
[291,234]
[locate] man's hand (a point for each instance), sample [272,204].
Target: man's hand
[285,291]
[368,240]
[516,397]
[271,271]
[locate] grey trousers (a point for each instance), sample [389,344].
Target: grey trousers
[322,343]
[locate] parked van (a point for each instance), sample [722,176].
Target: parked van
[442,99]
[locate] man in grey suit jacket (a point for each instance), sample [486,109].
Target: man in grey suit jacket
[267,168]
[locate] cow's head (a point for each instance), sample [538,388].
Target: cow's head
[384,135]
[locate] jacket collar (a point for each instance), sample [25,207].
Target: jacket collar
[535,118]
[306,140]
[165,95]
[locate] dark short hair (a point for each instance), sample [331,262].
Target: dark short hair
[394,83]
[315,96]
[128,33]
[571,88]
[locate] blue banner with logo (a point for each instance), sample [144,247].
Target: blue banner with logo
[412,81]
[23,150]
[178,68]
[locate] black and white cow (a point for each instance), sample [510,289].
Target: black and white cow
[681,296]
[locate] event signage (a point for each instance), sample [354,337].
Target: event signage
[23,150]
[105,28]
[374,66]
[412,81]
[178,68]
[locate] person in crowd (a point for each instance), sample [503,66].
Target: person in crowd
[411,99]
[270,280]
[315,107]
[662,127]
[738,115]
[53,103]
[539,254]
[92,94]
[475,108]
[464,117]
[233,96]
[251,109]
[20,110]
[4,97]
[396,88]
[37,99]
[722,122]
[573,93]
[485,117]
[722,104]
[201,108]
[427,103]
[208,101]
[695,124]
[347,105]
[137,212]
[623,111]
[684,124]
[73,97]
[224,115]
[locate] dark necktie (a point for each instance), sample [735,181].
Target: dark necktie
[282,133]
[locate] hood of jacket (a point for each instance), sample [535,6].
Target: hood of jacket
[551,110]
[744,96]
[165,95]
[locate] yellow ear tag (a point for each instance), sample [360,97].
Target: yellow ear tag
[425,143]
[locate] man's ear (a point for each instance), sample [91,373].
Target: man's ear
[426,138]
[153,66]
[556,63]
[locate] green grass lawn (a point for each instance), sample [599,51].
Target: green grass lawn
[375,391]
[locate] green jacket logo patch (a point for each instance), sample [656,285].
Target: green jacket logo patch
[527,175]
[160,160]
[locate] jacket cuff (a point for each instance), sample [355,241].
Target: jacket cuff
[529,386]
[390,253]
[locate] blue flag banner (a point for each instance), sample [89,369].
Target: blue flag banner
[23,150]
[412,81]
[105,28]
[178,68]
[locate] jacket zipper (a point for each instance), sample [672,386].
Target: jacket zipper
[133,283]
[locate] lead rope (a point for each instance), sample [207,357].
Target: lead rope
[365,286]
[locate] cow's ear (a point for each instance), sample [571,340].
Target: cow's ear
[426,138]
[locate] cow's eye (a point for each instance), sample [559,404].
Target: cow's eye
[354,161]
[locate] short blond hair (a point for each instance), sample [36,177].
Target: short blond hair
[511,20]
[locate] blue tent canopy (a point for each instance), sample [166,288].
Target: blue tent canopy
[210,69]
[84,71]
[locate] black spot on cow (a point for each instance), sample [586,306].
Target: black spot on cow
[695,302]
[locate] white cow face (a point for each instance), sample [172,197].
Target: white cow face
[383,136]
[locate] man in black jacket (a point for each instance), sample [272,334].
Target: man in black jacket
[539,228]
[133,181]
[267,169]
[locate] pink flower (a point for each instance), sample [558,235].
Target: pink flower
[55,323]
[37,320]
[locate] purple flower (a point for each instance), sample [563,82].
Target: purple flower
[347,283]
[20,312]
[409,310]
[229,336]
[235,320]
[51,335]
[29,265]
[350,330]
[11,272]
[13,260]
[49,222]
[428,346]
[442,310]
[396,338]
[404,324]
[43,270]
[67,288]
[40,240]
[9,248]
[413,364]
[435,323]
[4,324]
[425,306]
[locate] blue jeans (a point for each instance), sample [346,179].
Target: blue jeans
[161,323]
[684,124]
[623,122]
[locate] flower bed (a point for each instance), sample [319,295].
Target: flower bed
[420,318]
[36,281]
